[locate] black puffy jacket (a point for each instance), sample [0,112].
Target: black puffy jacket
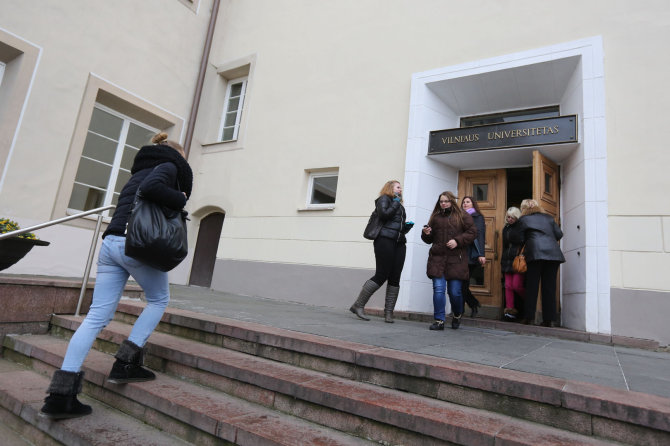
[540,234]
[509,248]
[162,175]
[392,215]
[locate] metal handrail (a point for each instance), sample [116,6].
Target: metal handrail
[91,252]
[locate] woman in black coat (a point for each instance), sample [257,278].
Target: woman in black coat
[390,251]
[540,234]
[476,251]
[162,174]
[514,282]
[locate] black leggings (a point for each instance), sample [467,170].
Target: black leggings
[390,258]
[541,271]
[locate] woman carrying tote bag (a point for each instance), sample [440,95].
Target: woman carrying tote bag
[390,228]
[164,177]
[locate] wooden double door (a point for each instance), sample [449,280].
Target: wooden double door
[490,189]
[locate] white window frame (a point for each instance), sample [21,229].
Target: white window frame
[240,108]
[310,189]
[116,164]
[2,71]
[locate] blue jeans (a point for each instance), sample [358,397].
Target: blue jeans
[454,288]
[114,268]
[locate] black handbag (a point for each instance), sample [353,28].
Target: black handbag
[474,252]
[156,235]
[373,227]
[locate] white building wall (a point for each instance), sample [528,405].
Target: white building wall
[333,86]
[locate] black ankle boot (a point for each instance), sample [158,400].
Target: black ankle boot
[128,365]
[62,401]
[456,321]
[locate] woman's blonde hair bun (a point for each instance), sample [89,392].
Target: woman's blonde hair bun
[159,138]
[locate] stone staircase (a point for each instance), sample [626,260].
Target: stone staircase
[224,381]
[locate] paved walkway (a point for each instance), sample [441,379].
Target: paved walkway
[614,366]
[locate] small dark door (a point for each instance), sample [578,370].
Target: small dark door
[205,250]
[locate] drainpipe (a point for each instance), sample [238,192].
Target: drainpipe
[201,78]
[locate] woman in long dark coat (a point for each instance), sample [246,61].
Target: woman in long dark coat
[476,251]
[450,231]
[540,234]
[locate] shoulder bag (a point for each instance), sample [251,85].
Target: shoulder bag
[373,227]
[519,264]
[156,235]
[474,251]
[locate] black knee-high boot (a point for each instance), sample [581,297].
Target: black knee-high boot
[369,287]
[62,401]
[389,304]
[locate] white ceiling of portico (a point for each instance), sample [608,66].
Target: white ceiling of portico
[516,88]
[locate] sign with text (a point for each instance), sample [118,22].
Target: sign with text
[536,132]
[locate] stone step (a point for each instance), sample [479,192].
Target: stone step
[9,423]
[22,394]
[589,409]
[190,411]
[383,414]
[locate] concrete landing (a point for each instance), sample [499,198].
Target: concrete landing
[614,366]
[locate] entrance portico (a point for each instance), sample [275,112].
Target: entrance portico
[569,75]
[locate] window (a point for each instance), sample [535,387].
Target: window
[513,116]
[232,113]
[322,190]
[18,64]
[111,143]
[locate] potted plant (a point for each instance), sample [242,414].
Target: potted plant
[13,249]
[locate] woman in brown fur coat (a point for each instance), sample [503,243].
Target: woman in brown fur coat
[450,231]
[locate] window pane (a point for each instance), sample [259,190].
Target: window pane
[115,201]
[230,119]
[477,277]
[121,180]
[228,134]
[235,89]
[233,104]
[93,173]
[138,136]
[99,148]
[128,157]
[323,190]
[105,124]
[547,183]
[480,192]
[85,198]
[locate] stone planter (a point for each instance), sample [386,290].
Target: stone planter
[14,249]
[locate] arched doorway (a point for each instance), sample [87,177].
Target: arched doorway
[206,246]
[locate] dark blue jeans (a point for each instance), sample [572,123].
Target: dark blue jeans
[454,288]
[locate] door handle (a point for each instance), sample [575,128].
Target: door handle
[495,246]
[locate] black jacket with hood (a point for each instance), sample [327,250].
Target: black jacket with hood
[162,174]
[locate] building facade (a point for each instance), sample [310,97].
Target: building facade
[307,108]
